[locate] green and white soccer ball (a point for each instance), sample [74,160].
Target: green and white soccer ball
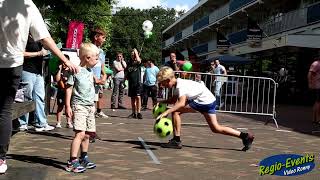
[159,109]
[163,127]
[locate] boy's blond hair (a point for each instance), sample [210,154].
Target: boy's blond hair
[165,73]
[87,49]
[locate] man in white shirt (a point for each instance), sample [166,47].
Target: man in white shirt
[218,69]
[17,19]
[119,66]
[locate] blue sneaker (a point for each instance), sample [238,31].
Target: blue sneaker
[85,162]
[75,166]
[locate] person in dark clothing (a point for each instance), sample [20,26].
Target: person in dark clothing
[32,74]
[135,83]
[173,62]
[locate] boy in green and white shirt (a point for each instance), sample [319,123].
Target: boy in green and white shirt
[80,92]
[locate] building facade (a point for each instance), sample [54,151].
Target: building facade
[290,38]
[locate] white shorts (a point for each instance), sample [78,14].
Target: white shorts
[83,118]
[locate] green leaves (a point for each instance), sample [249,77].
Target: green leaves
[123,29]
[127,31]
[61,12]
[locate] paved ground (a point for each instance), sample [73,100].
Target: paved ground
[120,155]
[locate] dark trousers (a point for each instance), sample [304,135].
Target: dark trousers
[149,91]
[118,86]
[10,79]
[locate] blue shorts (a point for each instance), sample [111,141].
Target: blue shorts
[203,108]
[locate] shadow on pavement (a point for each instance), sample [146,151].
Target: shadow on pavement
[138,143]
[295,118]
[52,134]
[34,173]
[47,161]
[203,147]
[122,117]
[158,144]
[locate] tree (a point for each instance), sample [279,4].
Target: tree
[127,31]
[58,14]
[123,28]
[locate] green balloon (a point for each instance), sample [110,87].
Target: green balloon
[108,70]
[187,66]
[54,64]
[147,34]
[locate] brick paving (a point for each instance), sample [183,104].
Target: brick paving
[120,155]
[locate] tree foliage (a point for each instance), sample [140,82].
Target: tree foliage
[127,31]
[58,14]
[123,28]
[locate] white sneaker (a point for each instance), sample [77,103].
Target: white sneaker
[23,128]
[69,125]
[101,115]
[58,125]
[3,166]
[47,127]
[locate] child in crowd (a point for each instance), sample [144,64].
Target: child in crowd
[193,97]
[61,78]
[81,88]
[109,82]
[98,37]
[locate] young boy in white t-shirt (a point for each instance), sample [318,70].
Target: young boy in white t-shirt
[193,97]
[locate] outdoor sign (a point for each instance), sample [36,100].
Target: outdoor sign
[287,165]
[223,43]
[75,34]
[254,33]
[73,55]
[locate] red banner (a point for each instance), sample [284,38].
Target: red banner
[75,34]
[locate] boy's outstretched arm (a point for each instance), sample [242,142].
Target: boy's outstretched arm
[179,104]
[67,100]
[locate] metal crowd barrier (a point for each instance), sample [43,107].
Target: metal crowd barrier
[237,94]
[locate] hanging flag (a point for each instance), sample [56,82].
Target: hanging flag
[223,43]
[254,33]
[75,34]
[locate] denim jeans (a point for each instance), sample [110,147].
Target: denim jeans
[9,78]
[118,86]
[217,91]
[34,91]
